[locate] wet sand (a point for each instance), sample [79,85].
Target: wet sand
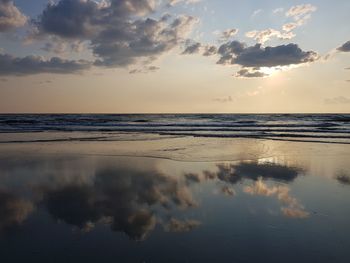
[176,199]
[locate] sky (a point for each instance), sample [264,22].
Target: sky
[174,56]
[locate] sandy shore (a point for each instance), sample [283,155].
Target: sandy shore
[175,194]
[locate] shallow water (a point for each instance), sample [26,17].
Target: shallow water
[79,202]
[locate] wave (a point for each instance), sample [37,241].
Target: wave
[321,127]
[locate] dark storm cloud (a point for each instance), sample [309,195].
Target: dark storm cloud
[238,53]
[10,16]
[10,65]
[192,49]
[126,200]
[345,47]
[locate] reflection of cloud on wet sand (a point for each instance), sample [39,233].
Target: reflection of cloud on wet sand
[176,225]
[13,210]
[234,173]
[132,198]
[126,200]
[229,191]
[343,178]
[293,207]
[252,170]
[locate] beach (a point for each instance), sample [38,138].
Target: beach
[146,197]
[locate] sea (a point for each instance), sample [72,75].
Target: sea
[324,128]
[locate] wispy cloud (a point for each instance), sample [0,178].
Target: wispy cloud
[300,14]
[337,100]
[256,12]
[224,99]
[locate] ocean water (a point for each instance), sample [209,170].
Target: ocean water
[328,128]
[174,188]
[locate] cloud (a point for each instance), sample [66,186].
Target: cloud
[10,65]
[69,18]
[300,15]
[224,99]
[252,58]
[145,70]
[59,46]
[299,11]
[289,27]
[10,16]
[228,34]
[250,73]
[256,12]
[210,50]
[337,100]
[85,18]
[345,47]
[118,33]
[192,49]
[187,2]
[180,226]
[278,10]
[265,35]
[140,39]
